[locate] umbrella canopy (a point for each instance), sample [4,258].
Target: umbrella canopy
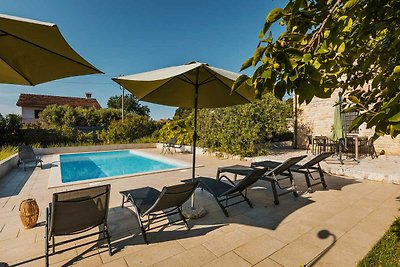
[193,85]
[176,86]
[338,132]
[34,52]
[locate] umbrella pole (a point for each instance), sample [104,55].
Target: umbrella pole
[195,134]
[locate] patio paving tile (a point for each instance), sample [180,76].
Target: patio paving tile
[154,253]
[228,260]
[357,212]
[259,248]
[196,256]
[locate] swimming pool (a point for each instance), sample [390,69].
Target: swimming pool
[94,165]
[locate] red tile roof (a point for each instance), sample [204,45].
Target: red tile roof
[42,101]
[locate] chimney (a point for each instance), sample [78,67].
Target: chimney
[88,95]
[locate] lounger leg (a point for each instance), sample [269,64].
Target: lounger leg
[273,186]
[52,244]
[46,236]
[222,207]
[123,201]
[41,165]
[247,200]
[293,185]
[306,175]
[322,177]
[142,229]
[107,234]
[183,218]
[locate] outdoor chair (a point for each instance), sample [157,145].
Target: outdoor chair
[74,212]
[167,147]
[223,192]
[155,205]
[308,168]
[26,155]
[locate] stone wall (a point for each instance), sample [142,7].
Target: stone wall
[316,118]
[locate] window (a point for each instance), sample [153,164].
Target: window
[348,117]
[37,112]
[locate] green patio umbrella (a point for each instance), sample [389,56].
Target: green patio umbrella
[193,85]
[338,133]
[34,52]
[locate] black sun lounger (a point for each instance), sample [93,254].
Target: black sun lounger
[273,174]
[74,212]
[308,168]
[223,192]
[156,205]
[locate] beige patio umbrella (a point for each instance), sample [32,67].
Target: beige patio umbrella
[193,85]
[34,52]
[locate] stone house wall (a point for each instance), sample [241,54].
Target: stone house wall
[316,118]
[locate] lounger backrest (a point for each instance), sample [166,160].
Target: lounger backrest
[284,166]
[316,160]
[172,142]
[79,210]
[26,152]
[173,196]
[246,181]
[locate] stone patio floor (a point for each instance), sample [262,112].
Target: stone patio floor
[353,212]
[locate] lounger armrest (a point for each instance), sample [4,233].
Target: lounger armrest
[229,180]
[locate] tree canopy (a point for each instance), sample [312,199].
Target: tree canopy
[350,45]
[131,104]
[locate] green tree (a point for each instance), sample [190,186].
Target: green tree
[131,104]
[331,44]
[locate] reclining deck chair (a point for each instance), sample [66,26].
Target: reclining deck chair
[279,173]
[74,212]
[148,201]
[311,166]
[26,155]
[223,192]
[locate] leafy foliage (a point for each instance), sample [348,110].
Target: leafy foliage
[244,130]
[9,128]
[326,45]
[131,104]
[128,130]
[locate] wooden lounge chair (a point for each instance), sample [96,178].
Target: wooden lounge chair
[155,205]
[74,212]
[308,168]
[223,192]
[26,155]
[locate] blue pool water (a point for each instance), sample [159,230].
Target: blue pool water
[86,166]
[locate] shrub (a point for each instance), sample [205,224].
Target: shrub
[127,131]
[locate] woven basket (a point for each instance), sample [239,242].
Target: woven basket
[29,212]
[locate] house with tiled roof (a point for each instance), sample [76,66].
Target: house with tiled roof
[32,104]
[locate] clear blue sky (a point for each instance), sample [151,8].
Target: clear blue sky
[125,37]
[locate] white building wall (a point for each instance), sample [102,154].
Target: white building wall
[28,114]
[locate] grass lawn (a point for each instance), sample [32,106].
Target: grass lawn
[387,251]
[7,151]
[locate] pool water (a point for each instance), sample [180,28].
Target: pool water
[86,166]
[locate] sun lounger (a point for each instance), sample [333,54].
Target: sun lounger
[149,202]
[274,175]
[26,155]
[308,168]
[74,212]
[223,192]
